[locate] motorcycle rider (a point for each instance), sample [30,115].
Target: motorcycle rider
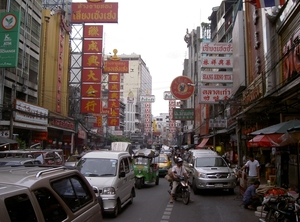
[177,170]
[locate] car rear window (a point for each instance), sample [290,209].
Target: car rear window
[51,208]
[73,191]
[20,208]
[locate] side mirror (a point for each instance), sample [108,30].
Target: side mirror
[122,174]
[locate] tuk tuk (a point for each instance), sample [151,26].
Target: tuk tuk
[146,169]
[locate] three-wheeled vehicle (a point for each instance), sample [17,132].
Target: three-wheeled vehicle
[146,170]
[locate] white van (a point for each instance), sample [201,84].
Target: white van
[111,174]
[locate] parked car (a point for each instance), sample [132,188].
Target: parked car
[209,170]
[72,160]
[111,173]
[46,194]
[19,161]
[164,164]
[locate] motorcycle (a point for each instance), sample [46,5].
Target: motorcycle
[182,190]
[282,208]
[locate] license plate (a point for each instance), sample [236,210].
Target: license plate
[218,185]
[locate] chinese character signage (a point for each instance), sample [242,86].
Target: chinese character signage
[91,60]
[95,13]
[114,77]
[92,46]
[91,90]
[91,75]
[93,31]
[216,62]
[113,121]
[90,105]
[9,39]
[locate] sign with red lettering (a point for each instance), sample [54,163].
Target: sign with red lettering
[216,62]
[216,77]
[209,94]
[216,48]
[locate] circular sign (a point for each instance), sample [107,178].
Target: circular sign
[182,87]
[8,22]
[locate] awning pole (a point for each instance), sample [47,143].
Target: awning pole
[298,175]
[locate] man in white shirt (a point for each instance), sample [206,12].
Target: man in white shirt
[177,170]
[253,170]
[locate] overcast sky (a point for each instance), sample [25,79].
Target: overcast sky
[155,30]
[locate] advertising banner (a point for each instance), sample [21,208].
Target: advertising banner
[216,48]
[95,13]
[9,39]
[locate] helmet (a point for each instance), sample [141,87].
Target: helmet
[179,160]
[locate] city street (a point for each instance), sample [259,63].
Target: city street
[151,205]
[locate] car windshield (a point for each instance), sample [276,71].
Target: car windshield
[97,167]
[140,161]
[210,162]
[161,159]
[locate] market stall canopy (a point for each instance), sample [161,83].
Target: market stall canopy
[277,128]
[272,140]
[7,140]
[203,143]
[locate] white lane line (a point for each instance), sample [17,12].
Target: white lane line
[167,213]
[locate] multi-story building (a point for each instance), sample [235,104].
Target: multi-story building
[21,82]
[136,83]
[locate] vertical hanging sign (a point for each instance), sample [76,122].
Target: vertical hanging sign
[9,39]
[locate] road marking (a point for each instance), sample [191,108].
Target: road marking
[167,213]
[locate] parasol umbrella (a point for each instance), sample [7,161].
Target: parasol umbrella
[272,140]
[7,140]
[277,128]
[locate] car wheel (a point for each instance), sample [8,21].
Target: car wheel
[195,189]
[186,197]
[157,180]
[117,209]
[138,183]
[131,197]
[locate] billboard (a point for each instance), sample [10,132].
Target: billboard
[9,39]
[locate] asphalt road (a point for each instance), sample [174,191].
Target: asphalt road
[151,204]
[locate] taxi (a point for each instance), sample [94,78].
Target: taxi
[164,164]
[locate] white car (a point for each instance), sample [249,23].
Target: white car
[111,174]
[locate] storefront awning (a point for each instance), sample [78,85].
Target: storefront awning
[270,140]
[203,143]
[277,128]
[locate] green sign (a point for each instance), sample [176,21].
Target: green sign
[9,39]
[183,114]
